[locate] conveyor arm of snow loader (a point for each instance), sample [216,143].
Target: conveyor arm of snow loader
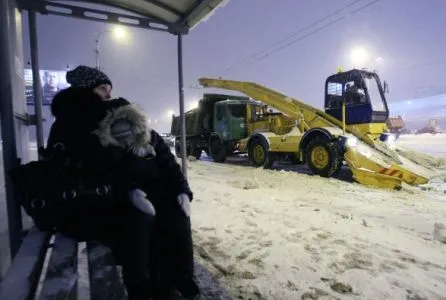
[283,103]
[308,116]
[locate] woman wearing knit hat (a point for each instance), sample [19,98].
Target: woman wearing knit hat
[90,78]
[144,159]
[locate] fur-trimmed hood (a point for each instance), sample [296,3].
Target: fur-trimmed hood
[126,126]
[116,122]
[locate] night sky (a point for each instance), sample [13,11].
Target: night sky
[288,45]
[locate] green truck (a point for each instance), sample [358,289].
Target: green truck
[215,126]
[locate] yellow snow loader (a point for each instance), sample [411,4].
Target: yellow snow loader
[351,129]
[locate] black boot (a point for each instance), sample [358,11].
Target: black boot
[188,288]
[163,293]
[141,291]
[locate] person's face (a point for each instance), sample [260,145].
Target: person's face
[51,79]
[103,91]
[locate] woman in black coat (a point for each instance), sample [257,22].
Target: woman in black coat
[78,111]
[120,225]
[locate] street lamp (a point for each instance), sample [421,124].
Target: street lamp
[118,32]
[170,113]
[359,56]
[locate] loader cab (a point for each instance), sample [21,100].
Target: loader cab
[362,93]
[231,119]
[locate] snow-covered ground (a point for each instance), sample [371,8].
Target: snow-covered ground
[289,235]
[284,234]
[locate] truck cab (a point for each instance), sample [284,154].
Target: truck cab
[235,119]
[230,119]
[362,93]
[215,126]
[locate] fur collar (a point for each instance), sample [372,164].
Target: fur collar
[126,126]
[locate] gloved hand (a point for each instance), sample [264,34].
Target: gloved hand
[139,201]
[184,201]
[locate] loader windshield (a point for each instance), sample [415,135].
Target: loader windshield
[373,90]
[362,94]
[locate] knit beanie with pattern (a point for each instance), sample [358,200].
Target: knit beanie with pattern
[87,77]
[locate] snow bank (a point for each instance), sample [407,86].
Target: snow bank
[425,160]
[437,183]
[428,150]
[429,144]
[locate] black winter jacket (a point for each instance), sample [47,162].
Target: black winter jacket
[144,142]
[80,116]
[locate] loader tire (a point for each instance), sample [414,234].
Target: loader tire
[217,150]
[324,158]
[259,154]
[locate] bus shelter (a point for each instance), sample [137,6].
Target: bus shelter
[176,17]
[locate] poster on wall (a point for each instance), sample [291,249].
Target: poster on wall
[52,82]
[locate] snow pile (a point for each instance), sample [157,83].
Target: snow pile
[423,159]
[429,151]
[246,184]
[437,183]
[440,232]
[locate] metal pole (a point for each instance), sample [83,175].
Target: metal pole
[10,159]
[37,86]
[182,116]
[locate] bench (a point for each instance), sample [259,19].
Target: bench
[53,266]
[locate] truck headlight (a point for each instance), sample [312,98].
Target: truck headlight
[351,142]
[348,141]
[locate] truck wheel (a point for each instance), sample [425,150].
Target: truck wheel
[217,151]
[259,154]
[324,158]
